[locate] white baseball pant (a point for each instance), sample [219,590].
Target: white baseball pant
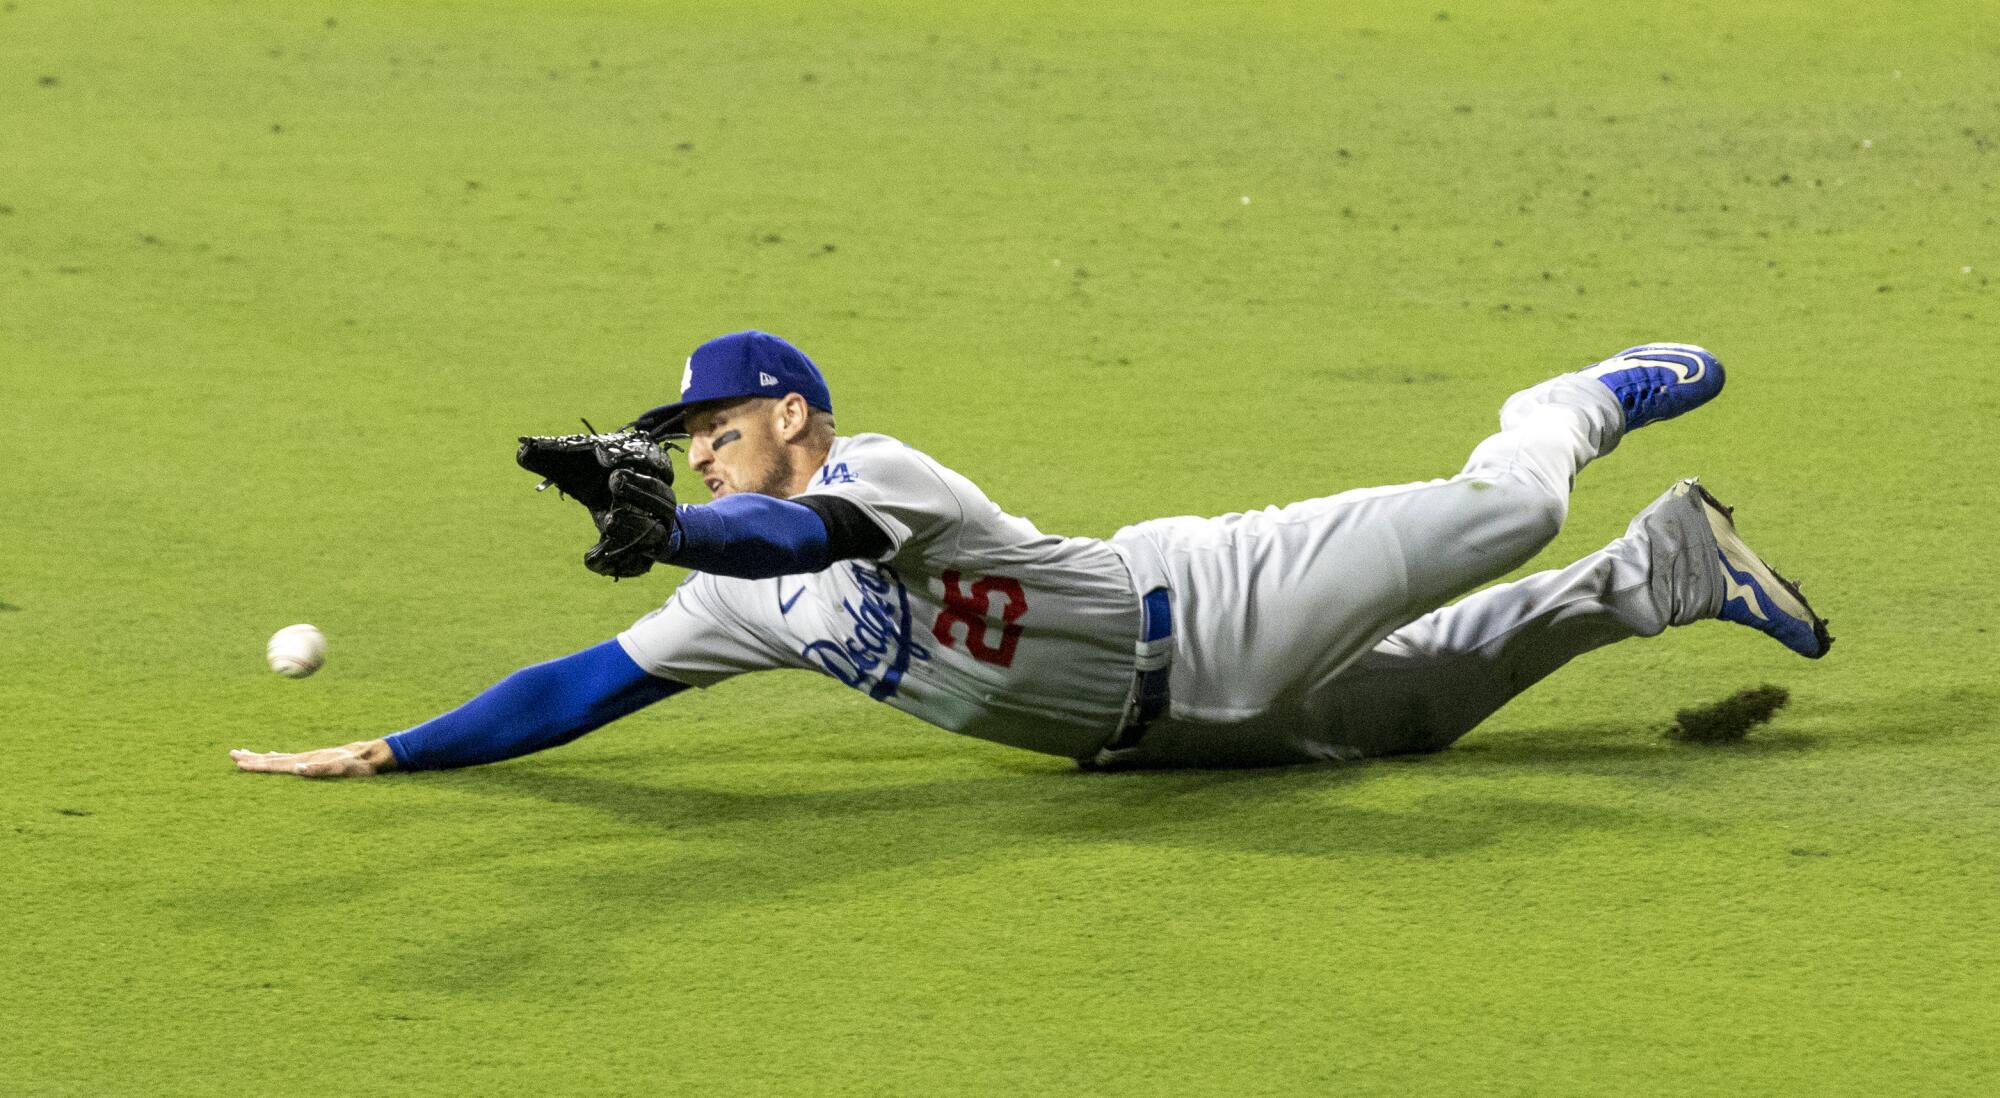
[1312,632]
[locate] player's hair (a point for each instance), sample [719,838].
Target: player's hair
[819,426]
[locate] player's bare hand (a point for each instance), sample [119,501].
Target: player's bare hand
[355,760]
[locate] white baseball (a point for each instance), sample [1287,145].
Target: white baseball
[296,651]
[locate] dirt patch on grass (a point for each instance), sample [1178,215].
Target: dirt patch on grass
[1731,719]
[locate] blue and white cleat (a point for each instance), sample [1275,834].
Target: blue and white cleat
[1659,380]
[1754,594]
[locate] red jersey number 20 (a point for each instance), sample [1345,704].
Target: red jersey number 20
[973,608]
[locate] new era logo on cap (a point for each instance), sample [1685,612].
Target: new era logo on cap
[765,379]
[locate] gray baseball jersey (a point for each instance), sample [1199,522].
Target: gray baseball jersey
[972,620]
[1299,633]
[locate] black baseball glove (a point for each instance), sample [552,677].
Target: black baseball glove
[624,479]
[637,530]
[580,466]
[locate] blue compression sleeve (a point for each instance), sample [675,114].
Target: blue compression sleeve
[751,537]
[536,707]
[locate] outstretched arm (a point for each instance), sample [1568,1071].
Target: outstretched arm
[747,536]
[757,537]
[534,708]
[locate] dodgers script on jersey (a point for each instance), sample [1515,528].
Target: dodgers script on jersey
[973,620]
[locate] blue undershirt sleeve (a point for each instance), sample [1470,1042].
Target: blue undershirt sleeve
[751,537]
[534,708]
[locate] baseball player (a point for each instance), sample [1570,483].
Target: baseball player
[1316,631]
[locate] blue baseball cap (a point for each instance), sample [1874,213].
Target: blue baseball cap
[738,365]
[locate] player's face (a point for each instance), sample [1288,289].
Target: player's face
[736,448]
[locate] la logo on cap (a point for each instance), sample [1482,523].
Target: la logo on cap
[687,376]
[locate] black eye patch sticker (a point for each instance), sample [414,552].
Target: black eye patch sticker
[724,439]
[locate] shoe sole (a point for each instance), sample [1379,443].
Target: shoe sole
[1783,593]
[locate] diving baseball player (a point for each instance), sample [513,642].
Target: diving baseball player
[1317,631]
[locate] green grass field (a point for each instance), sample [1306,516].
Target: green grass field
[280,284]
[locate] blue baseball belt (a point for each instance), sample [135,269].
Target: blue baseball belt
[1152,660]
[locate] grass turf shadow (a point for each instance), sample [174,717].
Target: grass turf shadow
[734,852]
[1294,810]
[684,852]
